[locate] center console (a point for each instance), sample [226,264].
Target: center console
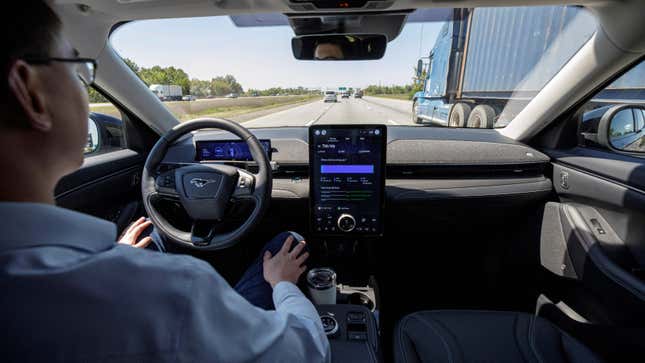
[346,208]
[352,333]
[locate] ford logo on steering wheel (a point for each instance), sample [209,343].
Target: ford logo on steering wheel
[200,183]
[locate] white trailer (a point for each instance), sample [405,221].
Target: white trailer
[167,92]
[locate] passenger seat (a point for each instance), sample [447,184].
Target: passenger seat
[484,336]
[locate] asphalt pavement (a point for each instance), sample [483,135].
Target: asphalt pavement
[368,110]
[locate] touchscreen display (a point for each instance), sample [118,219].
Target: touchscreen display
[235,150]
[347,178]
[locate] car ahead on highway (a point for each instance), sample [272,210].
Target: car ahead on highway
[358,94]
[345,94]
[189,98]
[232,95]
[530,228]
[330,96]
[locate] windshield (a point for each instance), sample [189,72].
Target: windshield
[445,68]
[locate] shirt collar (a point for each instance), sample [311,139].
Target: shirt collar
[25,225]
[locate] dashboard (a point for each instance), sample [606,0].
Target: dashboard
[404,170]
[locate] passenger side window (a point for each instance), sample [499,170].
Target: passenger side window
[105,132]
[615,118]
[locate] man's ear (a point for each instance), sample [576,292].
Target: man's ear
[28,91]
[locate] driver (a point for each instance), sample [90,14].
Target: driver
[328,51]
[70,293]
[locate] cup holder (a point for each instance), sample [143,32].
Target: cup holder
[359,298]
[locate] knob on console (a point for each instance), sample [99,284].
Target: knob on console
[346,222]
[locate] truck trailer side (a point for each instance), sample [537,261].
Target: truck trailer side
[487,57]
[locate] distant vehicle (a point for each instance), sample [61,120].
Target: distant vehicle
[358,93]
[167,92]
[232,95]
[345,94]
[473,72]
[330,96]
[189,98]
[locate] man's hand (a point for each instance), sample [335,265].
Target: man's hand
[131,235]
[285,265]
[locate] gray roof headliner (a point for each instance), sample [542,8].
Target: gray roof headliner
[123,10]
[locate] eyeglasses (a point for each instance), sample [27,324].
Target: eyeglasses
[85,67]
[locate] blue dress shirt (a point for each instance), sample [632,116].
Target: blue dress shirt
[71,294]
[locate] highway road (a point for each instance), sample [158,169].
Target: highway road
[368,110]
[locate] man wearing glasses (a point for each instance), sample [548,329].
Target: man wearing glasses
[69,292]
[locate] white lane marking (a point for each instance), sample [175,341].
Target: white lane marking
[319,116]
[392,122]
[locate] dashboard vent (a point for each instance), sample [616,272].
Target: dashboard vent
[292,170]
[411,171]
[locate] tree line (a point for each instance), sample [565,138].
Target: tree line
[408,89]
[218,86]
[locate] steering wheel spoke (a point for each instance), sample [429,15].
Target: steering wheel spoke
[244,186]
[202,232]
[165,184]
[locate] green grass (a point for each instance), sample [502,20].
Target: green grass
[230,111]
[178,108]
[397,96]
[108,110]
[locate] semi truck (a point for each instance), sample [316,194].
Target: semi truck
[487,57]
[167,92]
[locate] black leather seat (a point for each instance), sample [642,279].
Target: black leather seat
[484,336]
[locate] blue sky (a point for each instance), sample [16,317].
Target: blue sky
[261,57]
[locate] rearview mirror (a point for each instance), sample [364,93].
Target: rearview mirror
[339,47]
[622,128]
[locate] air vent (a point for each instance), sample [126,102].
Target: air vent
[292,170]
[411,171]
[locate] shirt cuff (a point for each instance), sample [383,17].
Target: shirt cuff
[284,290]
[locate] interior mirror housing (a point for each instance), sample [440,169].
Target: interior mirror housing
[339,47]
[622,127]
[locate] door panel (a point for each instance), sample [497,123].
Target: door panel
[106,186]
[594,234]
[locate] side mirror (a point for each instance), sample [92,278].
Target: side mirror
[419,68]
[622,128]
[93,137]
[339,47]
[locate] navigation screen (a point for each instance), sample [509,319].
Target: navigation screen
[347,178]
[234,150]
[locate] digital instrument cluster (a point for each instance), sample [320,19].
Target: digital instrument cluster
[227,150]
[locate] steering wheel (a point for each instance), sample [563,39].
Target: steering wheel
[205,190]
